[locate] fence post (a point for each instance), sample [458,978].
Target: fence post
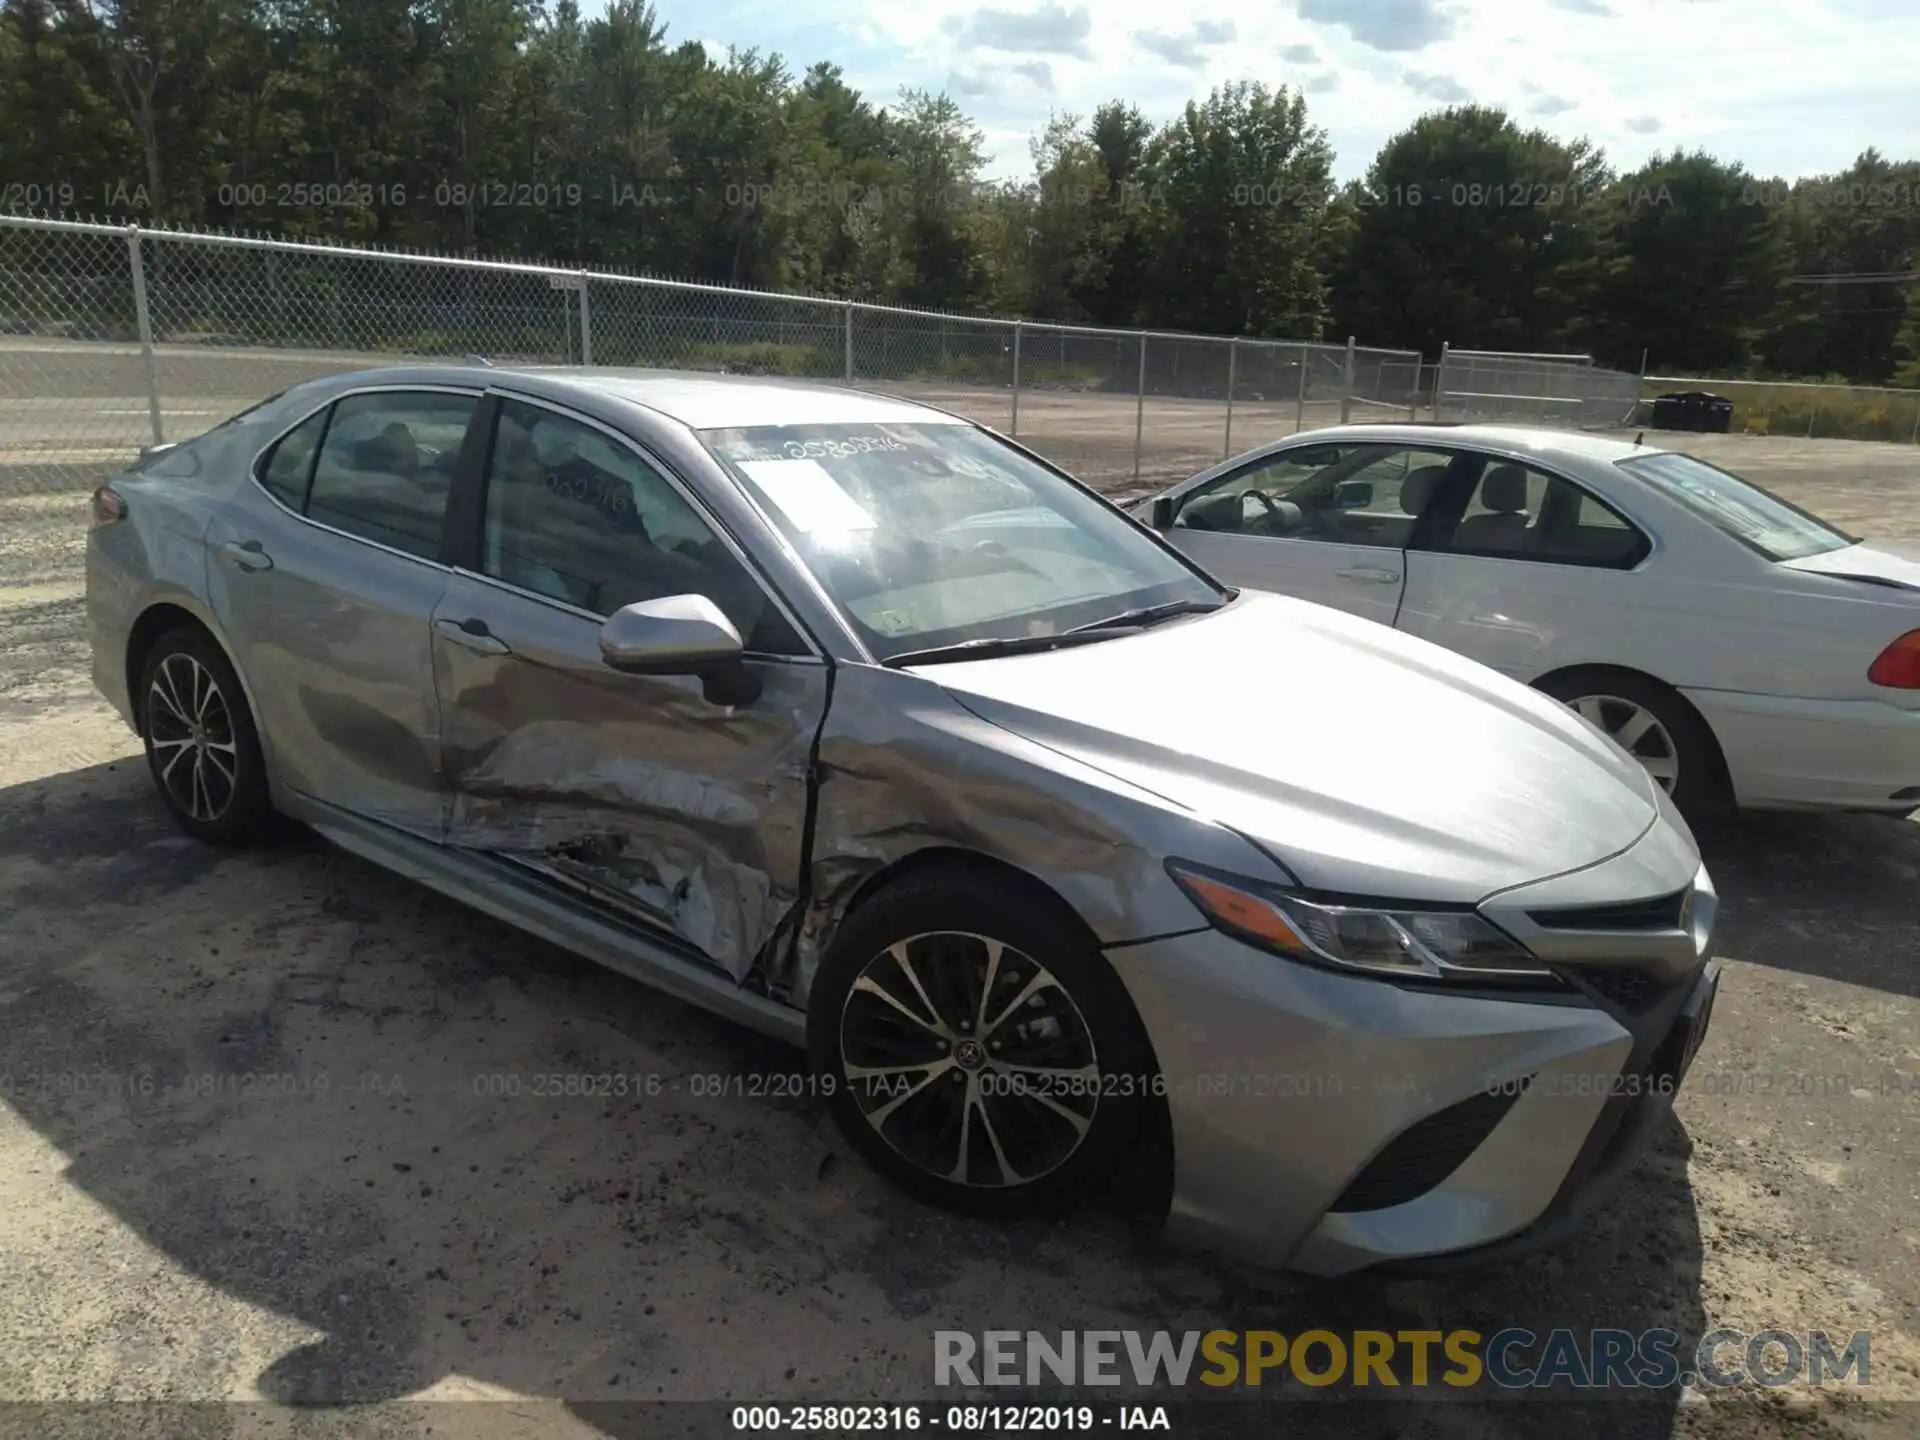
[276,297]
[1346,385]
[1233,376]
[1440,382]
[144,322]
[849,375]
[1140,407]
[1300,406]
[586,324]
[1014,428]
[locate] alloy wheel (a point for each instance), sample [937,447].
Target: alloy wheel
[190,727]
[970,1059]
[1638,731]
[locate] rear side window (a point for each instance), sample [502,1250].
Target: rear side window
[1738,508]
[287,469]
[385,467]
[1519,513]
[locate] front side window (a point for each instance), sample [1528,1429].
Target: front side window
[930,535]
[576,515]
[386,466]
[1345,494]
[1758,519]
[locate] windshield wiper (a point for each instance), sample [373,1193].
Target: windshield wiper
[1153,614]
[988,647]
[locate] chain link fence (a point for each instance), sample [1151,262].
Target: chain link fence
[1567,391]
[114,338]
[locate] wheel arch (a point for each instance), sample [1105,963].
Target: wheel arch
[959,857]
[156,620]
[1723,776]
[1021,885]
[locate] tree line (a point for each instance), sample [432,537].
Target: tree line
[518,127]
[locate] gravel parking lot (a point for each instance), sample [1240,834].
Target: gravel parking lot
[251,1145]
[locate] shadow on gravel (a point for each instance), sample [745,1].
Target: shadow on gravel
[430,1222]
[1835,896]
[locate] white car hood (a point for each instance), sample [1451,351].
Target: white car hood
[1875,563]
[1369,762]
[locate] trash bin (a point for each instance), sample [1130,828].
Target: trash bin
[1693,410]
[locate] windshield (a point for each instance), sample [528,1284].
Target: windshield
[1761,521]
[932,535]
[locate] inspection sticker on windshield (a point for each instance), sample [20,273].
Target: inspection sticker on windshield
[808,495]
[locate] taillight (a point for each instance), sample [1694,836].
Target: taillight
[107,506]
[1898,667]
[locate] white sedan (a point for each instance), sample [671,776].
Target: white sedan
[1744,651]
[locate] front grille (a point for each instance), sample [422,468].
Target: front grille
[1667,912]
[1630,989]
[1427,1152]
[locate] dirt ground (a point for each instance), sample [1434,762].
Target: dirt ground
[249,1149]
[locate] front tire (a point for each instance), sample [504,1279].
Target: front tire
[979,1050]
[202,747]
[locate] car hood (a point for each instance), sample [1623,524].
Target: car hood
[1875,564]
[1367,761]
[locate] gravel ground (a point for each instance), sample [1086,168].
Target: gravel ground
[245,1152]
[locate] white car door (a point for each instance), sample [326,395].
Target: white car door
[1327,522]
[1537,573]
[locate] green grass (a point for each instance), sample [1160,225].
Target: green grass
[1801,410]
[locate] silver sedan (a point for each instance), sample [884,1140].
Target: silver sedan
[856,722]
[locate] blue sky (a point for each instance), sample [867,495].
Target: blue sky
[1790,87]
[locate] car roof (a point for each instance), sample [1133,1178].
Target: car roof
[1523,439]
[702,400]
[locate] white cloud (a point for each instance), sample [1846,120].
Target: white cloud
[1780,85]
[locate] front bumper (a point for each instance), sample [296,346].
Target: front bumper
[1328,1122]
[1788,753]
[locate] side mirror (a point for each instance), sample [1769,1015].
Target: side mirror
[1353,495]
[1160,517]
[680,635]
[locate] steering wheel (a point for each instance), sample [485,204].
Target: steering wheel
[1272,516]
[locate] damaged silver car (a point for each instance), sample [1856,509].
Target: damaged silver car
[858,723]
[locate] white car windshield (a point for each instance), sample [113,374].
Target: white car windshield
[1759,520]
[934,535]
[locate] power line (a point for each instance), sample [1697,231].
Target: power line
[1889,277]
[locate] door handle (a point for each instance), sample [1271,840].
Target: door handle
[473,633]
[1369,574]
[247,554]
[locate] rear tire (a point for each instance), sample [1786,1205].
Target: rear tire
[202,747]
[1657,727]
[979,1050]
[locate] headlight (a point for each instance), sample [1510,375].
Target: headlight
[1391,940]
